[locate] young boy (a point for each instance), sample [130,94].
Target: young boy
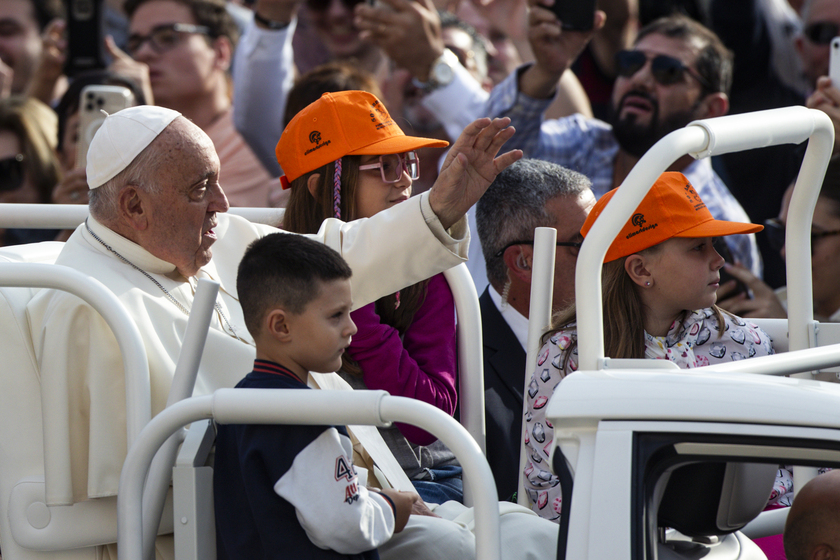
[289,491]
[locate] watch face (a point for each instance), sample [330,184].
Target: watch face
[443,73]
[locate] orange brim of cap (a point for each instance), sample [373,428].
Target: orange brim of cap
[719,228]
[398,145]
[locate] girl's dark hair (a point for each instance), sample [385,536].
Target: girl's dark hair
[306,211]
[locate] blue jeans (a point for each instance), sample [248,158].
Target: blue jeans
[444,484]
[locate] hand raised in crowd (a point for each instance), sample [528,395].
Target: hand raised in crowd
[408,31]
[123,64]
[73,188]
[763,304]
[50,66]
[827,99]
[469,168]
[280,11]
[554,49]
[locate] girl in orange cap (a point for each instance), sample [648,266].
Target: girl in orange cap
[660,279]
[352,167]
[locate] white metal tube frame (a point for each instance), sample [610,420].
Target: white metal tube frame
[103,300]
[282,406]
[703,138]
[183,383]
[68,216]
[539,320]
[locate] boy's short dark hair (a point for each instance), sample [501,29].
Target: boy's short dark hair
[284,270]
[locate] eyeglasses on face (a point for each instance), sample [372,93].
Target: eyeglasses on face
[322,5]
[575,246]
[775,230]
[11,173]
[821,32]
[391,166]
[666,70]
[163,37]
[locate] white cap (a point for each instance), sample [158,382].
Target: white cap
[121,138]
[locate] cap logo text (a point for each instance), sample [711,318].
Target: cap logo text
[315,138]
[639,221]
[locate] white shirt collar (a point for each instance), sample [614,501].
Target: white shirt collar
[128,249]
[517,322]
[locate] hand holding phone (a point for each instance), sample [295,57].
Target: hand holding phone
[834,63]
[575,15]
[93,101]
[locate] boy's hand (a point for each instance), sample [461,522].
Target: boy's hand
[403,506]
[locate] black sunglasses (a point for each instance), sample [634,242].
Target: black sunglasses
[822,32]
[574,244]
[322,5]
[775,231]
[666,70]
[11,173]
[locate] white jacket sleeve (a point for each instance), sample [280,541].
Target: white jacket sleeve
[336,512]
[263,75]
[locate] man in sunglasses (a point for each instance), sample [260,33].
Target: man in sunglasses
[527,195]
[183,49]
[820,24]
[677,71]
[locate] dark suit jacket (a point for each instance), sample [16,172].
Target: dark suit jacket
[504,381]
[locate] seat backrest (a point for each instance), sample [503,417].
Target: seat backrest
[714,498]
[28,528]
[21,429]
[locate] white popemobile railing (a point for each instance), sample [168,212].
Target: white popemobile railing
[94,527]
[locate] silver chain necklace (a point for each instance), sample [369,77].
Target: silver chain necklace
[225,323]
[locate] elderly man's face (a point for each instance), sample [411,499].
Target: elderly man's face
[183,215]
[569,213]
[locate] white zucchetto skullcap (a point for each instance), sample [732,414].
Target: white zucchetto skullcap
[121,138]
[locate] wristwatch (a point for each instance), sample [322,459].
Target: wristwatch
[441,74]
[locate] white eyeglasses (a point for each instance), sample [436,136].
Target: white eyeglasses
[391,166]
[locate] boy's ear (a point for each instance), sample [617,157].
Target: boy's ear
[277,325]
[637,270]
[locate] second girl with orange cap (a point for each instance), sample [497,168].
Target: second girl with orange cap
[660,279]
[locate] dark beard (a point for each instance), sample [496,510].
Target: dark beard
[636,139]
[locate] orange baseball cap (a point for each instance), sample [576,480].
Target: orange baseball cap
[672,208]
[345,123]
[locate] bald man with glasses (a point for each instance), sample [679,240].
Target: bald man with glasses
[677,71]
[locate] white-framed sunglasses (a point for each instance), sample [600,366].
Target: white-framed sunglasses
[391,166]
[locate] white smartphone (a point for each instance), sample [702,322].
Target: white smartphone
[93,101]
[834,63]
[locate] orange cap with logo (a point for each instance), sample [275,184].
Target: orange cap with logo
[345,123]
[672,208]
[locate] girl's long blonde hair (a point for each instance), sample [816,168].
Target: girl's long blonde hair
[624,327]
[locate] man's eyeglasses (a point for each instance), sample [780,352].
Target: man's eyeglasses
[775,230]
[821,32]
[11,173]
[666,70]
[391,166]
[163,37]
[322,5]
[575,245]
